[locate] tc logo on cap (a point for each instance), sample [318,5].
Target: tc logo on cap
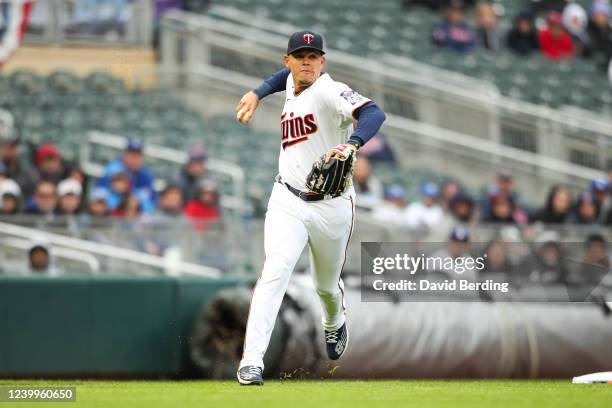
[305,39]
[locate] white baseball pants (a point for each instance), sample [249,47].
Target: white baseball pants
[290,224]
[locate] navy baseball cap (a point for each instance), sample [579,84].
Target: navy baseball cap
[305,39]
[461,197]
[134,145]
[599,185]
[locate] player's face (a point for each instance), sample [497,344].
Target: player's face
[305,67]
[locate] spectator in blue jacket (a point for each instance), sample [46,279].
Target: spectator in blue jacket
[119,185]
[453,33]
[141,179]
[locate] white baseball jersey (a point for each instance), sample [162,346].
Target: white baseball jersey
[314,121]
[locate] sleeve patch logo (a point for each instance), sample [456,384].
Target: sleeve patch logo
[352,97]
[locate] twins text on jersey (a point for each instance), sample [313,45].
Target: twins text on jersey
[295,129]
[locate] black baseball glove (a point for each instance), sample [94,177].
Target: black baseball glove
[332,178]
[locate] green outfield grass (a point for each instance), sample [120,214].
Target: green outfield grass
[328,394]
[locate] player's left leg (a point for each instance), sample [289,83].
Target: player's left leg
[328,240]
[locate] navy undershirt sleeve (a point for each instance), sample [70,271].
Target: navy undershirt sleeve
[370,118]
[276,83]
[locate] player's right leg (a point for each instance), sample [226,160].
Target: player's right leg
[329,234]
[285,237]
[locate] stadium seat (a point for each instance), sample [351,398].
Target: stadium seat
[393,29]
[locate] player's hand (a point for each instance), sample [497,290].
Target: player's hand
[341,152]
[246,107]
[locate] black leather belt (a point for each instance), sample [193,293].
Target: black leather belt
[304,195]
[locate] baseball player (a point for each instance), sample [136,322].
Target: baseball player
[313,200]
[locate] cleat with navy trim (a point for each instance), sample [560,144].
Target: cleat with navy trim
[250,375]
[336,342]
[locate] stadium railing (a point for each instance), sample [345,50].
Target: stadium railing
[67,245]
[14,260]
[231,248]
[236,41]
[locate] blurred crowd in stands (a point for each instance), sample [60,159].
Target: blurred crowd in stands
[565,30]
[445,205]
[527,244]
[546,261]
[50,186]
[126,193]
[559,29]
